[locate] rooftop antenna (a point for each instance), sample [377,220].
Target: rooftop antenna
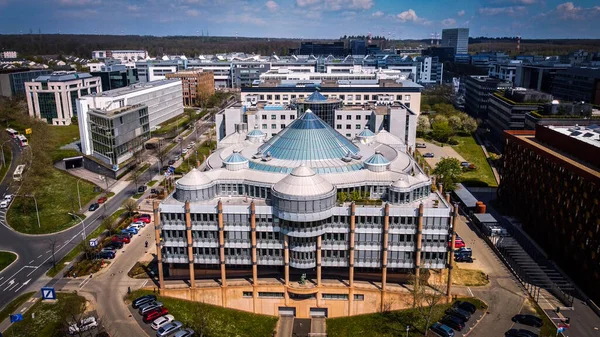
[519,44]
[236,34]
[369,40]
[432,36]
[437,38]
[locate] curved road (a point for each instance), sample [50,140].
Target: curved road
[34,252]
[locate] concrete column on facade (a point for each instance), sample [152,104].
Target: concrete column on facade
[418,244]
[161,278]
[319,261]
[448,198]
[451,250]
[441,188]
[221,243]
[254,257]
[286,264]
[190,243]
[351,258]
[384,256]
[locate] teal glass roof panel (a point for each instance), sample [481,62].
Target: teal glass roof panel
[366,133]
[308,138]
[235,158]
[377,159]
[316,97]
[256,132]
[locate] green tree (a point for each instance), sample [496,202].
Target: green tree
[469,124]
[448,172]
[342,197]
[441,131]
[455,122]
[423,126]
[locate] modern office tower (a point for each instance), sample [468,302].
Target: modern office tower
[457,38]
[53,97]
[478,90]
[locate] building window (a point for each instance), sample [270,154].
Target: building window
[277,97]
[348,135]
[269,97]
[407,98]
[249,294]
[282,117]
[357,297]
[368,117]
[338,117]
[264,117]
[366,97]
[267,294]
[399,97]
[343,297]
[349,117]
[292,116]
[339,126]
[358,126]
[283,126]
[264,126]
[273,126]
[348,127]
[358,117]
[273,117]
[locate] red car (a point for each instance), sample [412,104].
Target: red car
[142,219]
[143,216]
[154,314]
[457,244]
[122,239]
[102,200]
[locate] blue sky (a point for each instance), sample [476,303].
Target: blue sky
[304,18]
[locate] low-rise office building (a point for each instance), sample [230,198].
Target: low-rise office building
[12,81]
[577,84]
[8,54]
[123,55]
[551,181]
[53,97]
[116,76]
[537,76]
[277,211]
[197,86]
[478,90]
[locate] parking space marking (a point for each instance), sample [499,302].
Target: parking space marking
[470,292]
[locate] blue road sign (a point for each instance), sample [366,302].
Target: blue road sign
[48,293]
[15,318]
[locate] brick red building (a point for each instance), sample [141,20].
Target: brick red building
[551,180]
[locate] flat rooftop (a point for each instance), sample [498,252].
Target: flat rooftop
[134,88]
[62,76]
[588,134]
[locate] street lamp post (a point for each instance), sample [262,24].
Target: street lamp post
[82,224]
[78,195]
[407,329]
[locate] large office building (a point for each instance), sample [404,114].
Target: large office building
[507,109]
[351,121]
[53,97]
[551,181]
[154,70]
[537,76]
[577,84]
[351,92]
[197,86]
[116,76]
[336,48]
[12,82]
[243,74]
[309,204]
[457,38]
[123,55]
[478,90]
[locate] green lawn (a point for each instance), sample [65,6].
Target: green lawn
[14,305]
[78,249]
[8,160]
[6,258]
[63,135]
[548,329]
[386,324]
[56,196]
[151,183]
[220,322]
[49,318]
[473,153]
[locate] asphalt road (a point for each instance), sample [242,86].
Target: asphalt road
[34,253]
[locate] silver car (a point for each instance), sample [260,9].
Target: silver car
[169,329]
[151,306]
[184,333]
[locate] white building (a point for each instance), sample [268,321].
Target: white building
[163,98]
[8,54]
[505,71]
[123,55]
[150,72]
[53,97]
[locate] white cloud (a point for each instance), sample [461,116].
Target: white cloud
[461,12]
[79,13]
[409,15]
[79,2]
[192,12]
[512,10]
[133,8]
[449,22]
[272,5]
[377,14]
[336,5]
[303,3]
[568,11]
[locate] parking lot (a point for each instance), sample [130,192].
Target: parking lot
[438,153]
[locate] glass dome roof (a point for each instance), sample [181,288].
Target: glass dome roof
[256,133]
[308,138]
[316,97]
[235,158]
[377,159]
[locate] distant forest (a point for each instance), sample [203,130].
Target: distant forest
[82,45]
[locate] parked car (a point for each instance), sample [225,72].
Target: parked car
[463,258]
[161,321]
[528,320]
[442,330]
[520,333]
[177,157]
[128,235]
[463,251]
[154,191]
[129,230]
[453,322]
[428,155]
[8,197]
[143,215]
[184,151]
[165,168]
[142,189]
[169,329]
[466,306]
[84,325]
[171,162]
[109,249]
[457,244]
[138,224]
[464,315]
[184,333]
[121,239]
[464,164]
[106,255]
[117,245]
[149,306]
[93,207]
[190,145]
[472,167]
[4,204]
[154,314]
[420,145]
[142,300]
[102,200]
[143,219]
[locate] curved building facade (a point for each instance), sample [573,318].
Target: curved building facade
[306,204]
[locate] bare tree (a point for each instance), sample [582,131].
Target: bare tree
[52,242]
[110,225]
[426,296]
[75,315]
[135,177]
[161,155]
[130,206]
